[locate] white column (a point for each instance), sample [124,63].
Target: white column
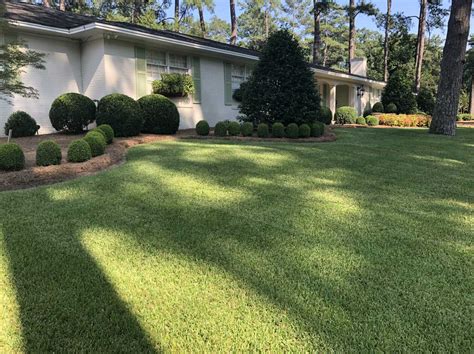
[332,99]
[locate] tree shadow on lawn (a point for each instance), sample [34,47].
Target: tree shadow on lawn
[360,272]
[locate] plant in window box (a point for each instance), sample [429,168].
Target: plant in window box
[174,85]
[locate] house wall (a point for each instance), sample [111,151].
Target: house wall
[93,68]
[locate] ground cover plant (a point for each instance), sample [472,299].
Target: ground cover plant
[360,245]
[404,120]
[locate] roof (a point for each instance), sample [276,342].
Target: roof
[40,15]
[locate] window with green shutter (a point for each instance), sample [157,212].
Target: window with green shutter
[196,72]
[140,71]
[228,84]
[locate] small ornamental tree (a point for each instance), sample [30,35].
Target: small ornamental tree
[399,92]
[282,88]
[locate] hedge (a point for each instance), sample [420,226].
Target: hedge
[292,131]
[96,142]
[278,130]
[160,115]
[108,131]
[391,108]
[405,120]
[48,153]
[378,107]
[304,131]
[79,151]
[361,121]
[372,121]
[220,129]
[202,128]
[234,128]
[247,129]
[262,130]
[21,124]
[346,115]
[122,113]
[11,157]
[325,115]
[317,129]
[72,112]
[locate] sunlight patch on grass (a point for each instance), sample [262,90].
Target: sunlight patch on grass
[65,193]
[439,160]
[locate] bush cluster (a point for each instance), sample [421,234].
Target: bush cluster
[72,112]
[48,153]
[464,117]
[202,128]
[174,85]
[346,115]
[122,113]
[11,157]
[405,120]
[160,115]
[79,151]
[21,124]
[372,120]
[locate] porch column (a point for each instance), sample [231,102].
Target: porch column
[332,100]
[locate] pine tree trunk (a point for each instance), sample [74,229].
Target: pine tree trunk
[201,20]
[454,52]
[176,15]
[317,34]
[62,5]
[233,23]
[385,46]
[420,43]
[266,24]
[352,32]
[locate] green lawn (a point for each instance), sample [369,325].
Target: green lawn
[364,244]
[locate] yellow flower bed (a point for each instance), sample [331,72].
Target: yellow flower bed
[405,120]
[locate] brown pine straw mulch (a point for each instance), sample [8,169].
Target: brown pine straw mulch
[33,176]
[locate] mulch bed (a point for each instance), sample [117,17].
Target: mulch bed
[33,176]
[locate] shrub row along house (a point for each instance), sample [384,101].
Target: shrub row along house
[95,57]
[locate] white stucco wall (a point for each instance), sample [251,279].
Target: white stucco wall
[120,68]
[93,68]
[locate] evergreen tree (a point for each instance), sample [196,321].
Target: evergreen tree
[399,92]
[282,87]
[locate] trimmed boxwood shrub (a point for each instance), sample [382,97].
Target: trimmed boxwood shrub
[464,117]
[21,124]
[391,108]
[378,107]
[304,131]
[361,121]
[325,115]
[72,112]
[278,130]
[262,130]
[108,131]
[97,143]
[202,128]
[11,157]
[292,131]
[160,115]
[317,129]
[220,129]
[48,153]
[372,121]
[122,113]
[246,129]
[101,132]
[79,151]
[234,128]
[346,115]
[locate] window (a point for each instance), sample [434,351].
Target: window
[239,75]
[178,64]
[161,62]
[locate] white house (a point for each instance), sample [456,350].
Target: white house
[95,57]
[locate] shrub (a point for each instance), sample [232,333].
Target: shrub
[464,116]
[11,157]
[265,99]
[48,153]
[378,107]
[361,121]
[278,130]
[72,112]
[174,85]
[202,128]
[304,131]
[234,128]
[97,143]
[317,129]
[247,129]
[100,131]
[399,91]
[426,100]
[372,120]
[367,112]
[220,129]
[405,120]
[292,131]
[21,124]
[346,115]
[160,115]
[79,151]
[391,108]
[237,95]
[108,131]
[325,115]
[262,130]
[122,113]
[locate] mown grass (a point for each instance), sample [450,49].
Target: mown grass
[364,244]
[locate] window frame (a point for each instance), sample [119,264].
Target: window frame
[167,67]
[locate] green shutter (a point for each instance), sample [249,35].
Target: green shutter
[140,71]
[196,71]
[228,84]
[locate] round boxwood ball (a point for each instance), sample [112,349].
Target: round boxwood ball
[122,113]
[317,129]
[361,121]
[97,143]
[108,131]
[72,112]
[220,129]
[292,131]
[234,128]
[325,115]
[378,107]
[262,130]
[391,108]
[202,128]
[278,130]
[100,131]
[48,153]
[79,151]
[21,124]
[11,157]
[372,121]
[304,131]
[346,115]
[246,129]
[160,115]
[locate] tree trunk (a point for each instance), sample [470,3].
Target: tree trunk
[325,55]
[62,5]
[450,81]
[233,23]
[176,15]
[266,23]
[201,20]
[46,3]
[317,34]
[385,45]
[352,32]
[420,43]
